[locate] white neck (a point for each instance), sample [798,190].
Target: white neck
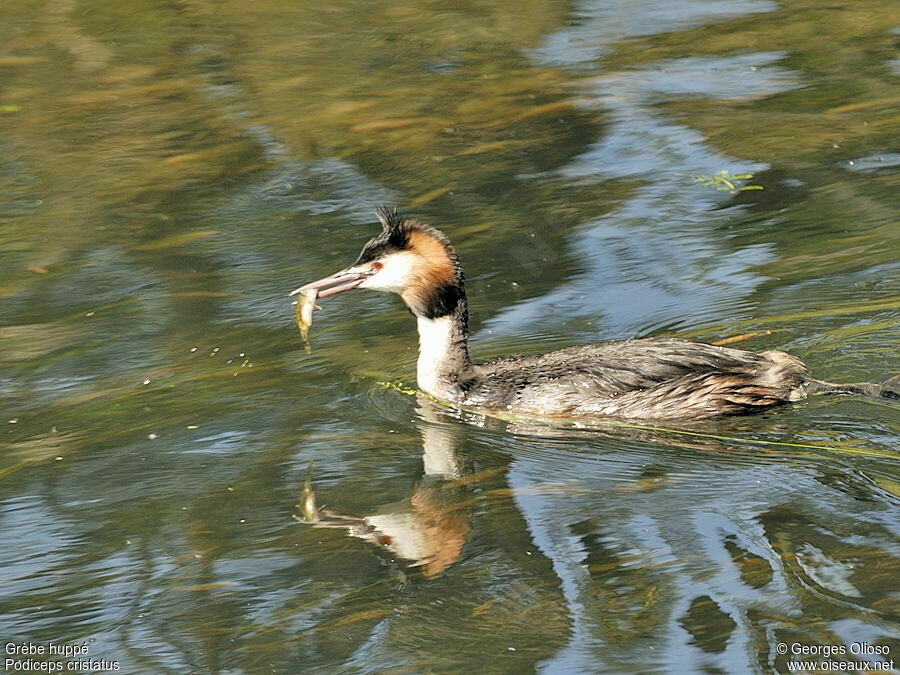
[436,350]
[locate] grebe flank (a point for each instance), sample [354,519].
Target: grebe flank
[649,378]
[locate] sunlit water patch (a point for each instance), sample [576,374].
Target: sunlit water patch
[599,26]
[666,265]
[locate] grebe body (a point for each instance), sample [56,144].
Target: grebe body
[649,378]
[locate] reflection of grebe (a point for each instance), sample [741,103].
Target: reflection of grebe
[428,530]
[651,378]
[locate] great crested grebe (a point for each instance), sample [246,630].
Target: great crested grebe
[649,378]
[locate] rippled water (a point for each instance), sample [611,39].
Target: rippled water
[170,171]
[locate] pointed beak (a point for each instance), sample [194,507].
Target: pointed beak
[345,280]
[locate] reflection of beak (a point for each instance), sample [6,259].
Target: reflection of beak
[345,280]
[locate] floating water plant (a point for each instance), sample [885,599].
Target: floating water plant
[725,182]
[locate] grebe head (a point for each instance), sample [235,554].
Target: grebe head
[409,258]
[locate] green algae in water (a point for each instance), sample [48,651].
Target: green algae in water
[725,182]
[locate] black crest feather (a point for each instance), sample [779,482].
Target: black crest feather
[389,217]
[394,235]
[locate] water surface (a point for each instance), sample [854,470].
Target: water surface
[170,171]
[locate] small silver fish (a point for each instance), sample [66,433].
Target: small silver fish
[309,513]
[303,311]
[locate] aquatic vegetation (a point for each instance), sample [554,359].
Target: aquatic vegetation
[725,182]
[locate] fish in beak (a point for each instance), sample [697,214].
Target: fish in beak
[345,280]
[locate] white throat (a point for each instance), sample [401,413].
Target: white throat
[435,348]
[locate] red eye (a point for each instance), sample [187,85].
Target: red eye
[377,266]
